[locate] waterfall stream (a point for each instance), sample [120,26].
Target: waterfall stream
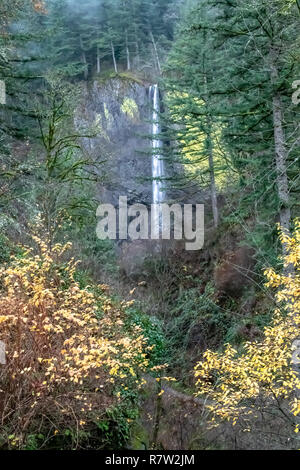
[157,162]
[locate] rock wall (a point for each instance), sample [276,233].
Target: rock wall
[119,108]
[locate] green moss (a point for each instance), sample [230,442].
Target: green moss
[98,124]
[108,116]
[130,76]
[8,249]
[110,74]
[139,437]
[130,108]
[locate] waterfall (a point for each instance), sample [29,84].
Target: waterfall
[157,162]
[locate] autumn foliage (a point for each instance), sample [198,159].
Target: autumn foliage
[69,354]
[241,383]
[39,6]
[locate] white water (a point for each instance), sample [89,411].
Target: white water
[157,162]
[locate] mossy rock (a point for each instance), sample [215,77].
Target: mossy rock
[103,77]
[140,439]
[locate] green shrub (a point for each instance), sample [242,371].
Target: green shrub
[152,329]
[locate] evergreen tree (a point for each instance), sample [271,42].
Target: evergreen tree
[232,67]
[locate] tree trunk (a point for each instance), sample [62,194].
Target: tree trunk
[137,49]
[280,151]
[213,189]
[280,157]
[98,61]
[155,51]
[210,149]
[114,57]
[127,52]
[84,60]
[283,191]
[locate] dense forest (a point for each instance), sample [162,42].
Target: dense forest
[138,338]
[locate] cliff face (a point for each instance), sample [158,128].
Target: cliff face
[119,108]
[121,111]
